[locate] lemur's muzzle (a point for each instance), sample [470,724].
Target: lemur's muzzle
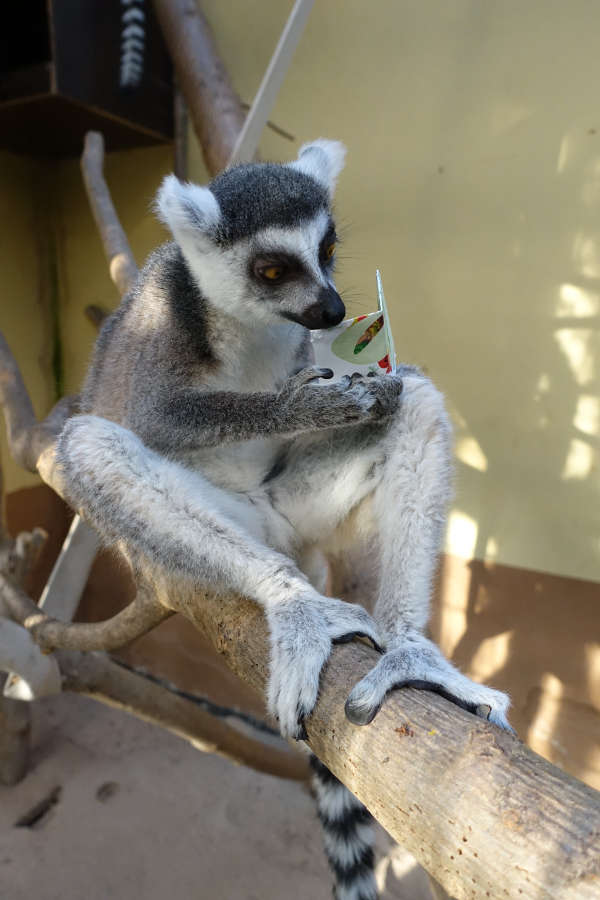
[329,310]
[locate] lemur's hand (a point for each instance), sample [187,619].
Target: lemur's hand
[353,400]
[415,661]
[302,631]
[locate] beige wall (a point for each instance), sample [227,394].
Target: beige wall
[473,182]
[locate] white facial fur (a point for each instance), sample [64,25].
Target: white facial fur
[223,273]
[193,215]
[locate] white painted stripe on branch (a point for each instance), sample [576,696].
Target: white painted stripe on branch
[60,598]
[36,675]
[249,137]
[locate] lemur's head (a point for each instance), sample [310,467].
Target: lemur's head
[260,239]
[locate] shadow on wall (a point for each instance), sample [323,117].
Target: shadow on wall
[535,634]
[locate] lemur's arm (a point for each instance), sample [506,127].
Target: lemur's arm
[192,419]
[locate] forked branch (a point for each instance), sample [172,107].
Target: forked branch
[142,615]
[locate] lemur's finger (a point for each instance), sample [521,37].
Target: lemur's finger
[349,380]
[304,376]
[351,635]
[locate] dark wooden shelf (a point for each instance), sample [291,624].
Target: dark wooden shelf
[63,76]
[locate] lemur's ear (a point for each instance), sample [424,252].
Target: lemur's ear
[186,209]
[323,160]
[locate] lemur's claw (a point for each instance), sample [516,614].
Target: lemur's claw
[360,715]
[483,710]
[302,633]
[302,734]
[346,638]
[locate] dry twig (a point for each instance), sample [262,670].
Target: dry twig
[121,263]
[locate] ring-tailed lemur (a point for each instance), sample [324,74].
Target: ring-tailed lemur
[207,448]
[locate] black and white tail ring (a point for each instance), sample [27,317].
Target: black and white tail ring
[348,836]
[133,42]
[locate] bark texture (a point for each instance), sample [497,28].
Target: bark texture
[214,108]
[483,814]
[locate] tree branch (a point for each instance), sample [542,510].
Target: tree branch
[17,558]
[27,437]
[97,677]
[215,110]
[142,615]
[478,809]
[121,262]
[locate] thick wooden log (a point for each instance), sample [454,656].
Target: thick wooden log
[483,814]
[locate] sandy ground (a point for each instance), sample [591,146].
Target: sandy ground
[142,815]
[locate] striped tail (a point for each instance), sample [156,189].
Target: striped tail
[348,836]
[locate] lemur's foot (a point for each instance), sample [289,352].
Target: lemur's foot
[417,662]
[302,633]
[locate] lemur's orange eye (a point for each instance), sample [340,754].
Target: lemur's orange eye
[272,273]
[330,251]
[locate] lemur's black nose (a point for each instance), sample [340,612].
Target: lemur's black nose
[328,310]
[332,307]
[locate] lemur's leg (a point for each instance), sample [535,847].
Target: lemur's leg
[404,468]
[174,519]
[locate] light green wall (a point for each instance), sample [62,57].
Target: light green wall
[473,182]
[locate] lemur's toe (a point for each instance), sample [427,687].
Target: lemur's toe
[360,714]
[365,699]
[351,635]
[499,718]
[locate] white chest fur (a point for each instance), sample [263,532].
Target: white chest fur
[252,360]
